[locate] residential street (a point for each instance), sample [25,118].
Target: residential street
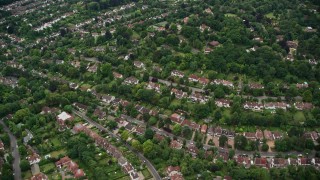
[237,152]
[153,170]
[15,152]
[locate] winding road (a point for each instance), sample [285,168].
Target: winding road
[153,170]
[15,152]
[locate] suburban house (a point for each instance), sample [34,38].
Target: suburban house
[93,68]
[191,125]
[276,135]
[139,64]
[279,163]
[261,162]
[177,118]
[303,105]
[131,81]
[193,78]
[107,99]
[223,103]
[276,105]
[173,172]
[154,86]
[192,149]
[204,128]
[253,106]
[71,166]
[117,75]
[255,86]
[207,50]
[175,144]
[177,73]
[178,93]
[311,135]
[100,114]
[40,176]
[268,135]
[223,82]
[302,85]
[48,110]
[250,136]
[204,81]
[228,133]
[214,43]
[62,119]
[80,107]
[204,27]
[244,161]
[198,97]
[34,158]
[1,145]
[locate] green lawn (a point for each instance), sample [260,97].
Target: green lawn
[124,178]
[146,174]
[270,16]
[27,174]
[299,116]
[55,154]
[226,113]
[56,142]
[56,176]
[230,15]
[45,168]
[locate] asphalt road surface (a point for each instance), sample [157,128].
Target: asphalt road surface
[153,170]
[14,151]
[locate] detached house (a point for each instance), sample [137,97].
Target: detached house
[154,86]
[139,64]
[177,118]
[303,105]
[204,81]
[214,43]
[131,81]
[40,176]
[107,99]
[223,82]
[223,103]
[34,158]
[62,119]
[178,93]
[174,173]
[80,107]
[193,78]
[117,75]
[198,97]
[177,73]
[176,144]
[191,125]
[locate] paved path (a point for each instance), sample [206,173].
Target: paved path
[153,170]
[15,152]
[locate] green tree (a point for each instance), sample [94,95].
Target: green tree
[147,147]
[137,145]
[223,140]
[177,129]
[125,135]
[307,96]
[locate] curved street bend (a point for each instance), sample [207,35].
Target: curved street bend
[15,152]
[152,169]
